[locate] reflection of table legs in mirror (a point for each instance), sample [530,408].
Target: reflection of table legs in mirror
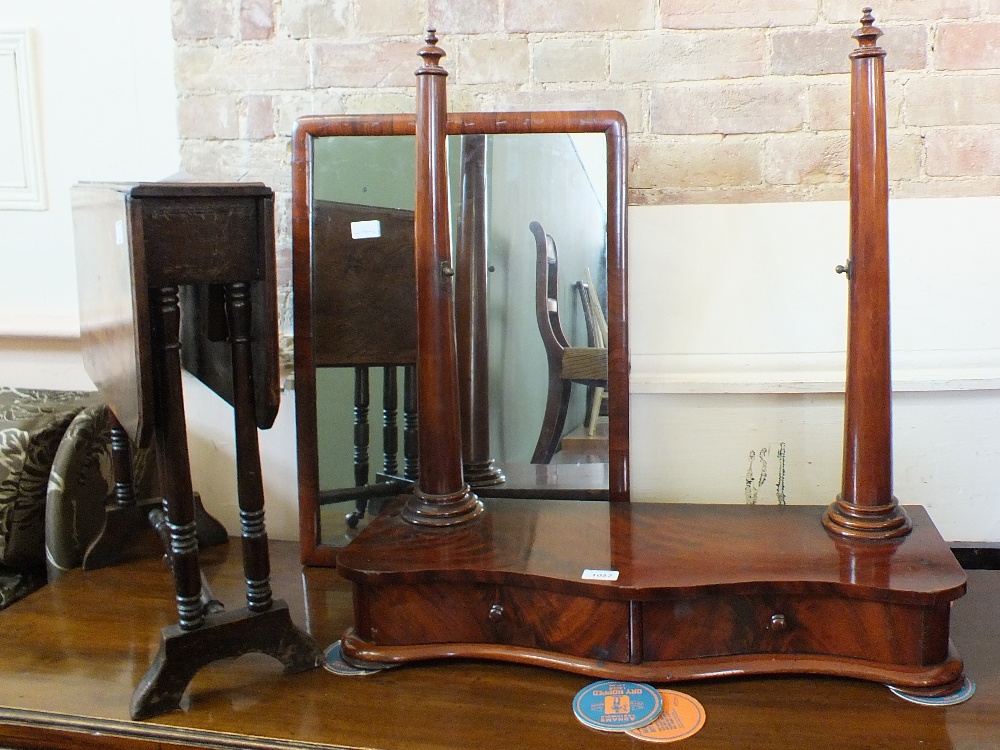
[202,637]
[362,400]
[388,482]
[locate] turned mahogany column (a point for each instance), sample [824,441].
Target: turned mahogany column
[471,272]
[441,498]
[866,507]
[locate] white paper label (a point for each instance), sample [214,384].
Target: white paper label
[363,230]
[120,232]
[600,575]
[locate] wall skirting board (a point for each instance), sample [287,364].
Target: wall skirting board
[809,372]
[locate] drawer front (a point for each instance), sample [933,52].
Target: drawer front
[731,624]
[487,613]
[203,240]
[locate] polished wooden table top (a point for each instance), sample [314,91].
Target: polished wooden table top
[72,652]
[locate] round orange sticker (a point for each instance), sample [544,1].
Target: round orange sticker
[682,716]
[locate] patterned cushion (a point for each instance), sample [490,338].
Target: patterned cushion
[81,484]
[32,423]
[55,479]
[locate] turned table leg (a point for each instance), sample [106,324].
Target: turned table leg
[172,457]
[124,517]
[362,399]
[250,483]
[202,635]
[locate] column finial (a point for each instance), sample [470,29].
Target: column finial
[431,54]
[868,34]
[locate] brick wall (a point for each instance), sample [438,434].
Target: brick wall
[727,100]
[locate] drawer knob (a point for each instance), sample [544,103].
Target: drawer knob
[778,622]
[496,613]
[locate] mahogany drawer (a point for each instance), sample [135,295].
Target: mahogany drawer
[732,624]
[493,614]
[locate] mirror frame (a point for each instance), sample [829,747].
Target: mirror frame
[611,123]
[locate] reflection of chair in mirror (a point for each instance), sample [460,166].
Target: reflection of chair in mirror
[597,336]
[567,364]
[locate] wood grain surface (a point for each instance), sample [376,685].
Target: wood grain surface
[701,591]
[130,238]
[71,653]
[658,548]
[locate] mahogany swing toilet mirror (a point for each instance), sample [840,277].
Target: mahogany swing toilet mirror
[535,198]
[658,591]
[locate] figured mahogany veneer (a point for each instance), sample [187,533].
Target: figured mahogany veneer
[702,591]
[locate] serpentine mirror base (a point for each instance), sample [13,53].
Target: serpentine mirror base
[658,592]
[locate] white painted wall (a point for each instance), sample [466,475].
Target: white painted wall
[738,331]
[106,99]
[746,297]
[212,446]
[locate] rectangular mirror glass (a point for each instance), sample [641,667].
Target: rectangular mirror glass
[537,206]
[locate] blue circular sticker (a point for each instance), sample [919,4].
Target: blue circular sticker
[961,695]
[613,706]
[334,662]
